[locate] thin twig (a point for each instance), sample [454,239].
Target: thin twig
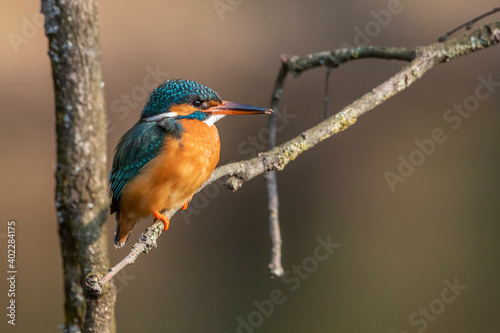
[327,80]
[275,266]
[468,25]
[297,65]
[424,58]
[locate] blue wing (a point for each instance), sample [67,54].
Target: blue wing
[138,146]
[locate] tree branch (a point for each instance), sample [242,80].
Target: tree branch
[422,60]
[81,178]
[468,25]
[275,266]
[326,99]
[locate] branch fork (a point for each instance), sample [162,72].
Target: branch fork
[421,60]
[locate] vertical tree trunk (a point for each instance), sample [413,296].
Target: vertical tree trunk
[81,178]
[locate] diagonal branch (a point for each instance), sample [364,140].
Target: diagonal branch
[422,60]
[468,25]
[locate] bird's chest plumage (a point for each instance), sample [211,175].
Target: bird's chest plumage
[172,178]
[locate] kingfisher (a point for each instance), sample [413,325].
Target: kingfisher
[168,154]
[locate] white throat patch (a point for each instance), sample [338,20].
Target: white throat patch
[210,121]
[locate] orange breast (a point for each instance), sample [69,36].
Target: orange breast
[172,178]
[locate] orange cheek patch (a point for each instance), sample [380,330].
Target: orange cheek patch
[182,109]
[213,103]
[186,109]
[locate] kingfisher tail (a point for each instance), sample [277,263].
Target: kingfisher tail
[124,226]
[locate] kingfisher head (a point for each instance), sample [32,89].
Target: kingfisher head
[184,99]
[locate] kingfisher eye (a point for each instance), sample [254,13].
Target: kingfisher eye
[197,103]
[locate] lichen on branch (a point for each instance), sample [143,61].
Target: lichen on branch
[421,59]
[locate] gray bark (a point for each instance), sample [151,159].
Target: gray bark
[81,179]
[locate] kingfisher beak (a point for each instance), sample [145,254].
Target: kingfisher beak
[236,108]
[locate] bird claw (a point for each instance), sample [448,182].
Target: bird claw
[163,218]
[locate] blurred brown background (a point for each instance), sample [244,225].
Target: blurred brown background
[397,248]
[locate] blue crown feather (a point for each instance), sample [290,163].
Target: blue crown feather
[173,92]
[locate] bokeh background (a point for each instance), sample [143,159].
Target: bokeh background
[397,248]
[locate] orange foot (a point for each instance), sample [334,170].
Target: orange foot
[159,216]
[185,206]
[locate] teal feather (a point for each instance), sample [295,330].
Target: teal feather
[173,92]
[142,143]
